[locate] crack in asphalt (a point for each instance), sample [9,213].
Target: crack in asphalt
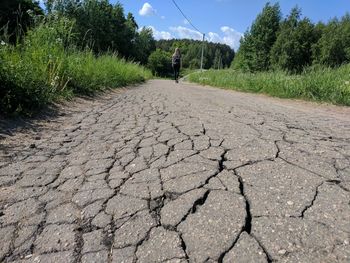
[308,206]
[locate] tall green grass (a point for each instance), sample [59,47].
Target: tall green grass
[46,67]
[318,84]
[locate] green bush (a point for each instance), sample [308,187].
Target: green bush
[160,63]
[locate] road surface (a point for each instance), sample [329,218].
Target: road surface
[166,172]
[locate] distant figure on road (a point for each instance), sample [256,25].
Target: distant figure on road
[176,62]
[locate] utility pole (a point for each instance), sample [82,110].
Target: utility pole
[202,52]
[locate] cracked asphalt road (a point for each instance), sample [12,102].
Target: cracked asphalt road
[178,173]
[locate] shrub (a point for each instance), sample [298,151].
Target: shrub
[160,63]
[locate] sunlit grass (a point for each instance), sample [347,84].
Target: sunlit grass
[318,84]
[45,67]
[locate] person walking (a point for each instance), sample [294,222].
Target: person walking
[176,63]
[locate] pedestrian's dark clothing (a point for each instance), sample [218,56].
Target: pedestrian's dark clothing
[176,61]
[176,68]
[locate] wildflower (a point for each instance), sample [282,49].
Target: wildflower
[3,43]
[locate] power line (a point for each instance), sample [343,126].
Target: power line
[189,21]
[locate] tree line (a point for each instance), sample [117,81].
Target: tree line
[292,43]
[215,55]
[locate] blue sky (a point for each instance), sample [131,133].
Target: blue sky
[221,20]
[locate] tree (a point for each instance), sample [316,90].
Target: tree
[257,42]
[99,24]
[17,16]
[218,59]
[292,49]
[333,47]
[191,56]
[160,63]
[130,21]
[144,45]
[104,24]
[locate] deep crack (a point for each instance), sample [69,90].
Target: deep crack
[155,206]
[199,202]
[312,201]
[183,245]
[248,219]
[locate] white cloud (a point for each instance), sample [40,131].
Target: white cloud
[229,37]
[214,37]
[184,32]
[147,10]
[160,34]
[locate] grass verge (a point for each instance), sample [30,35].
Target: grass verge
[45,67]
[317,84]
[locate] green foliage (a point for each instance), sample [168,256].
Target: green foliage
[103,27]
[16,17]
[217,64]
[333,48]
[88,73]
[143,45]
[293,43]
[32,72]
[317,83]
[159,63]
[255,46]
[292,50]
[191,52]
[46,67]
[99,24]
